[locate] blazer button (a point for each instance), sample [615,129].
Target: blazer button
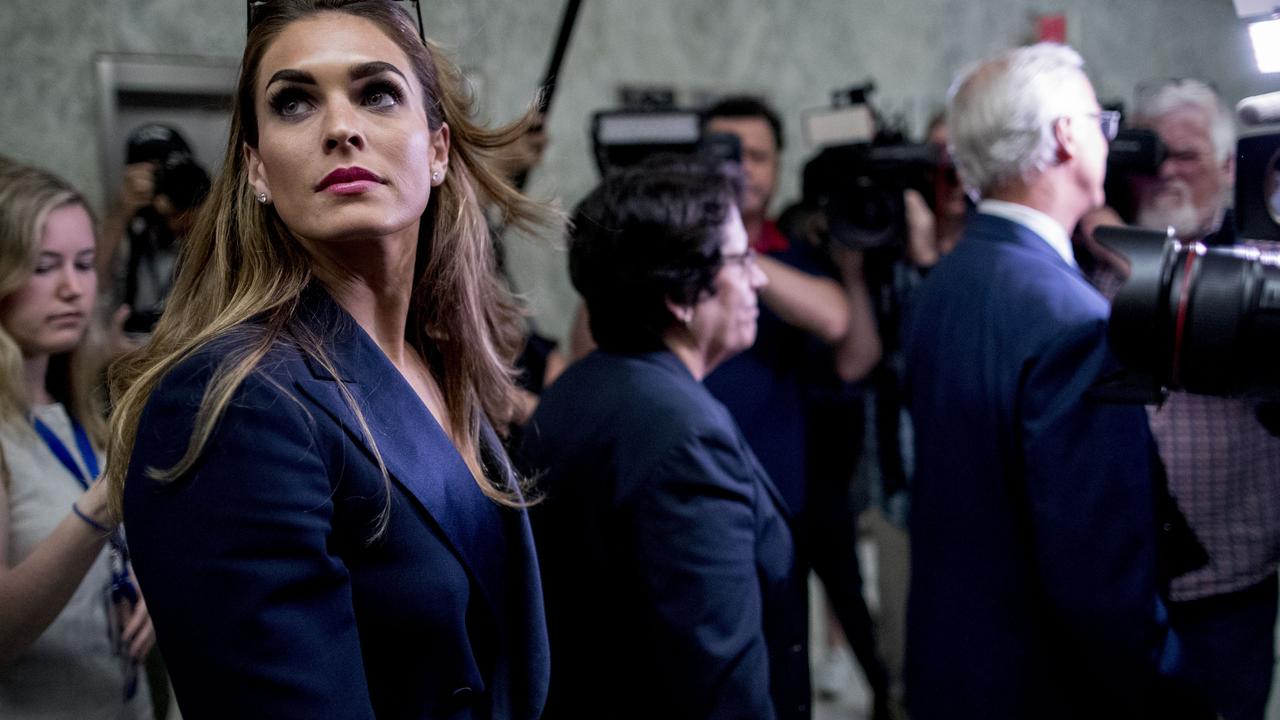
[797,648]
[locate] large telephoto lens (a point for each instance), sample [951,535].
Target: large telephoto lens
[1205,320]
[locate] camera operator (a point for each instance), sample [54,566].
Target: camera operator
[1223,465]
[1035,588]
[161,188]
[813,304]
[931,230]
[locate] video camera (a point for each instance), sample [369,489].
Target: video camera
[1207,319]
[857,180]
[625,137]
[1134,153]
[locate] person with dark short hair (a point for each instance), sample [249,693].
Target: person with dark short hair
[789,391]
[671,585]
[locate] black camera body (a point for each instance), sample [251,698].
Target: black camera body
[180,178]
[859,188]
[858,179]
[1133,153]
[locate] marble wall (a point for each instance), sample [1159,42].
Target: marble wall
[794,52]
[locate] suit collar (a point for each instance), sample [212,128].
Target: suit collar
[1045,227]
[418,454]
[1002,230]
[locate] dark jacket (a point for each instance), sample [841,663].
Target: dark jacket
[1034,589]
[670,576]
[271,594]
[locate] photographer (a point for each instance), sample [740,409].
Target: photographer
[161,188]
[814,307]
[932,227]
[1222,463]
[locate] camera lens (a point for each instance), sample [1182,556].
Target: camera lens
[1195,318]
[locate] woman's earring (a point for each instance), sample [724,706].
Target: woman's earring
[262,198]
[435,176]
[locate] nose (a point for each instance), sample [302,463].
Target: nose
[341,128]
[70,284]
[758,278]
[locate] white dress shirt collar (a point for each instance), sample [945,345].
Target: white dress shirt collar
[1037,222]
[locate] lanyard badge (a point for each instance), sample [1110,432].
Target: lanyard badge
[122,594]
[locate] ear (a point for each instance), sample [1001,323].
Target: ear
[1065,138]
[257,174]
[440,153]
[1229,169]
[682,313]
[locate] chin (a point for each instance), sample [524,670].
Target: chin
[351,219]
[56,344]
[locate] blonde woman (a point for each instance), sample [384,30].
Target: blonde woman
[320,513]
[73,629]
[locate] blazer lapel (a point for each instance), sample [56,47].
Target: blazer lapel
[693,388]
[418,454]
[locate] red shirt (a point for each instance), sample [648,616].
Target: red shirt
[771,239]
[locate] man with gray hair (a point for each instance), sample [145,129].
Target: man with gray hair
[1223,465]
[1034,586]
[1192,186]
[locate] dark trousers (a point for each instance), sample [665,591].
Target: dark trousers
[830,521]
[1228,648]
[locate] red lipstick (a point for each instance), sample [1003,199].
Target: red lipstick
[349,181]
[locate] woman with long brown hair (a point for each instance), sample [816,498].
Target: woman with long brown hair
[319,510]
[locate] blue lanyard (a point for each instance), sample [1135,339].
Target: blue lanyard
[122,587]
[64,456]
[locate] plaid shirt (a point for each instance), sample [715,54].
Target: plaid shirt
[1224,471]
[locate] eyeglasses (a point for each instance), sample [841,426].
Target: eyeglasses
[1108,122]
[252,16]
[743,259]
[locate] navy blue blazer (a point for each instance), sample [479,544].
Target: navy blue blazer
[271,594]
[671,583]
[1034,588]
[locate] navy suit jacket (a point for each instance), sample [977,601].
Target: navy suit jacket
[1034,587]
[271,594]
[671,583]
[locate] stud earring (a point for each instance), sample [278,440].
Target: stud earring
[435,176]
[262,198]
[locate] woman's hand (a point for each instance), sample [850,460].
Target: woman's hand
[139,633]
[94,504]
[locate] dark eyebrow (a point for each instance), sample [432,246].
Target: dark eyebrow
[297,76]
[369,69]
